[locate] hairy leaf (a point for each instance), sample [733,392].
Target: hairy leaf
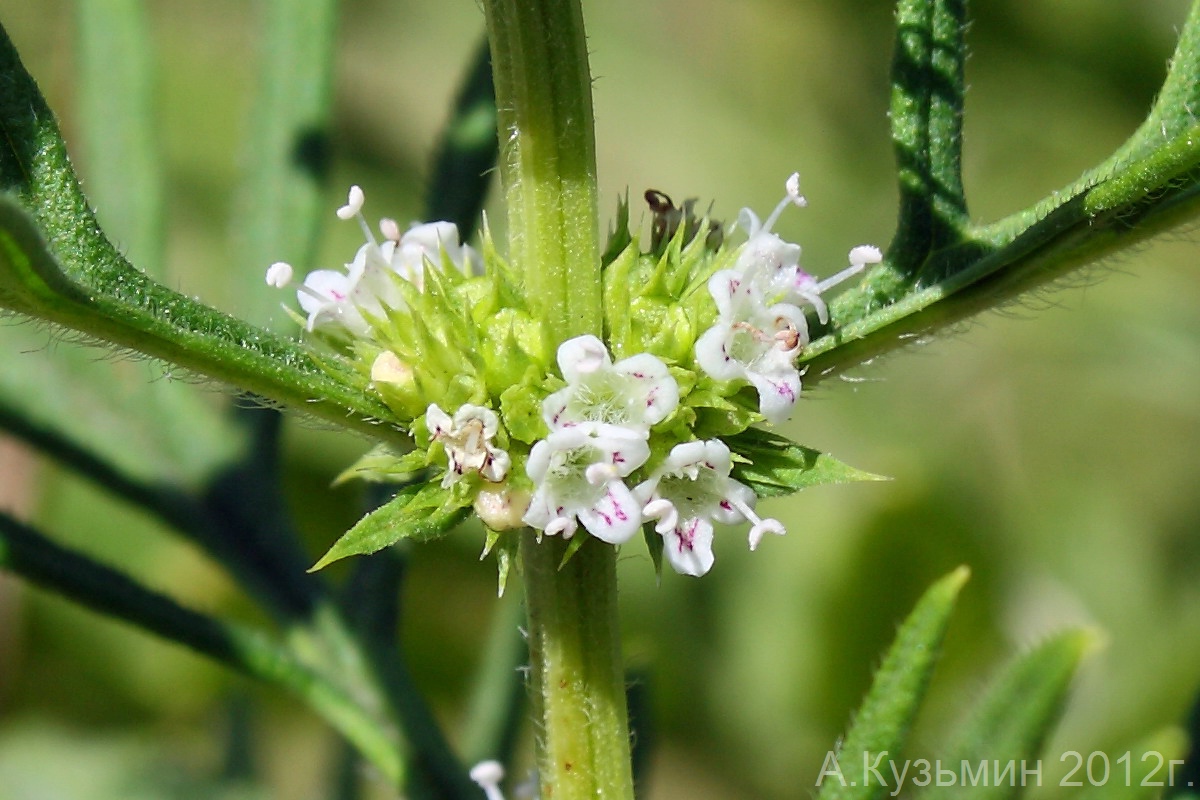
[775,466]
[881,726]
[422,513]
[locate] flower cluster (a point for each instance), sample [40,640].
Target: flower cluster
[644,430]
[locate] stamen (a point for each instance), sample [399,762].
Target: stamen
[793,198]
[280,274]
[354,203]
[488,775]
[866,254]
[562,525]
[761,526]
[834,280]
[793,190]
[353,209]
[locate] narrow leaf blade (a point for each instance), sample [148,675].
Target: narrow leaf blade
[1015,716]
[421,513]
[774,466]
[883,721]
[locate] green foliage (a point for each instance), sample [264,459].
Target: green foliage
[773,466]
[422,512]
[59,267]
[882,722]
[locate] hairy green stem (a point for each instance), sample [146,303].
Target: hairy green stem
[548,171]
[548,159]
[577,684]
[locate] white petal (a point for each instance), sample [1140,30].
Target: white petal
[739,499]
[538,461]
[688,546]
[685,455]
[322,287]
[712,353]
[777,393]
[438,422]
[656,390]
[581,356]
[724,286]
[616,517]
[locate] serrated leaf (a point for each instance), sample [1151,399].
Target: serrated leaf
[1015,716]
[422,513]
[886,714]
[381,464]
[776,466]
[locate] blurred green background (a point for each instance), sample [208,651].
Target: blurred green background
[1050,446]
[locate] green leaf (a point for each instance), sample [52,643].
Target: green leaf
[381,464]
[778,466]
[883,721]
[467,153]
[26,552]
[422,513]
[64,270]
[280,200]
[125,307]
[121,150]
[1014,718]
[926,117]
[1144,771]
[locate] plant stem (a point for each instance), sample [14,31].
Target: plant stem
[548,159]
[577,683]
[548,170]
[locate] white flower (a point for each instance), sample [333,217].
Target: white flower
[754,341]
[760,327]
[690,490]
[333,297]
[468,442]
[577,472]
[636,392]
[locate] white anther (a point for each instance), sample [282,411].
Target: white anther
[354,203]
[488,775]
[280,274]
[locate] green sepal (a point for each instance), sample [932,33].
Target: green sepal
[886,714]
[619,237]
[654,544]
[1015,716]
[573,545]
[774,466]
[381,464]
[521,407]
[720,413]
[421,512]
[505,544]
[511,349]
